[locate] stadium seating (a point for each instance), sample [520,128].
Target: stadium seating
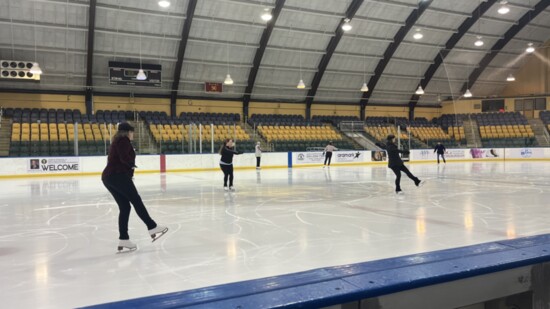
[181,134]
[294,133]
[431,135]
[280,120]
[509,129]
[334,120]
[42,132]
[174,138]
[545,118]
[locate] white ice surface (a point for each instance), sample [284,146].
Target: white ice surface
[59,235]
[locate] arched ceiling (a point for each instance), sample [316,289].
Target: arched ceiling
[225,36]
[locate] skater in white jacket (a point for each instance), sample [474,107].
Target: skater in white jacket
[258,153]
[328,153]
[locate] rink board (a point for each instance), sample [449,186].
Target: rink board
[337,285]
[93,165]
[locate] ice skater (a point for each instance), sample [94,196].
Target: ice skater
[227,152]
[328,153]
[258,154]
[117,178]
[440,149]
[396,164]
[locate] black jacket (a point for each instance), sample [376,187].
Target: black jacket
[394,160]
[440,149]
[227,155]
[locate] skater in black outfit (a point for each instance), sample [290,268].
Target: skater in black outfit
[117,178]
[328,153]
[396,164]
[440,149]
[226,163]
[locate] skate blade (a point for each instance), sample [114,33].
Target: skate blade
[159,234]
[122,250]
[420,184]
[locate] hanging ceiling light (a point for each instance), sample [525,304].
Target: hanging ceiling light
[530,49]
[164,3]
[418,34]
[228,80]
[346,26]
[503,9]
[301,84]
[141,75]
[266,16]
[35,69]
[365,88]
[510,78]
[468,94]
[479,41]
[419,91]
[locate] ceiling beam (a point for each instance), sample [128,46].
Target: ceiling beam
[392,48]
[333,43]
[260,54]
[451,43]
[181,53]
[500,44]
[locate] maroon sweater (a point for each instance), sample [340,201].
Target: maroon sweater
[122,158]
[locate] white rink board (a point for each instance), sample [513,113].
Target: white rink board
[317,157]
[152,163]
[527,153]
[482,154]
[429,155]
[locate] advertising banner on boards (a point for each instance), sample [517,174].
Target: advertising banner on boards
[53,165]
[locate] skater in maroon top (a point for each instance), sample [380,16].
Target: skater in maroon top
[117,178]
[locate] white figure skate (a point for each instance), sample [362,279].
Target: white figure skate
[125,245]
[157,232]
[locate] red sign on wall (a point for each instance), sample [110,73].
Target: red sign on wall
[213,87]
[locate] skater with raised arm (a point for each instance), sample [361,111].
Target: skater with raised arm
[328,153]
[396,164]
[227,151]
[117,178]
[440,149]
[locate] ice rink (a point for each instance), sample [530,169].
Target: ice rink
[59,234]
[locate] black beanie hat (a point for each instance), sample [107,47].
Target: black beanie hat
[125,127]
[390,137]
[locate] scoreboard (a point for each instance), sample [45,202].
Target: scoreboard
[124,74]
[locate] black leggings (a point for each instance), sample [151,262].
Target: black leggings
[227,173]
[402,168]
[123,190]
[442,156]
[328,157]
[258,159]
